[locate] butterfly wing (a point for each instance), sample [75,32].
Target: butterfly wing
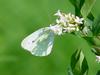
[40,42]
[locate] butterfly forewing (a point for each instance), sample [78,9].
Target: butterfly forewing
[40,42]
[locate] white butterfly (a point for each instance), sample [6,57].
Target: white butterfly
[40,42]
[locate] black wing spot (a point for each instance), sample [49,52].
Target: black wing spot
[33,41]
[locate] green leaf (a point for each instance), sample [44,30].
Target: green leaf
[96,26]
[94,42]
[96,45]
[84,67]
[70,71]
[75,58]
[87,30]
[96,50]
[78,5]
[98,73]
[79,64]
[90,16]
[87,7]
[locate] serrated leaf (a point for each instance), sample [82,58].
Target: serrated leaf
[87,7]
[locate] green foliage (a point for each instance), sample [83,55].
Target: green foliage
[78,5]
[79,64]
[90,16]
[98,73]
[96,45]
[96,26]
[87,7]
[82,8]
[87,31]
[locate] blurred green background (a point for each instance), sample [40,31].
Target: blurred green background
[19,18]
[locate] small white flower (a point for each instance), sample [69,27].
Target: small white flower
[69,29]
[70,18]
[67,22]
[57,21]
[98,59]
[57,29]
[77,29]
[62,19]
[79,20]
[72,25]
[58,13]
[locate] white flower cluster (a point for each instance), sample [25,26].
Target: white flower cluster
[66,23]
[98,59]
